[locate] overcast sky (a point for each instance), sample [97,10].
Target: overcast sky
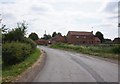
[62,15]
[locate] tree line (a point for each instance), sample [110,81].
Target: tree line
[34,36]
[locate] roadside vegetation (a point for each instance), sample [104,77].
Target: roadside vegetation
[18,52]
[0,56]
[10,73]
[103,50]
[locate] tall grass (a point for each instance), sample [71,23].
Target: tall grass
[106,51]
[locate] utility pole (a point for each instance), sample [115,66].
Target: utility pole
[45,35]
[45,32]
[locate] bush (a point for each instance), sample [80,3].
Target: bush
[15,52]
[31,42]
[116,49]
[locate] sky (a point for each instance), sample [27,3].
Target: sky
[62,15]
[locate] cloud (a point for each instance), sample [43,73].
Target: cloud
[114,17]
[8,16]
[61,15]
[7,1]
[42,8]
[111,7]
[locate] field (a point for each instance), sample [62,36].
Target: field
[103,50]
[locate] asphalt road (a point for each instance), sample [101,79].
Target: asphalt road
[64,66]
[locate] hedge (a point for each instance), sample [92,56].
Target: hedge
[15,52]
[116,49]
[29,41]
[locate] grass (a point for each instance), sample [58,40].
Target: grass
[0,63]
[105,51]
[9,73]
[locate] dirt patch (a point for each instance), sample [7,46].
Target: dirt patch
[31,72]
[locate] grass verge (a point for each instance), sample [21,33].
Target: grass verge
[105,51]
[9,73]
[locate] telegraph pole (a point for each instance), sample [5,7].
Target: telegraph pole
[45,32]
[45,35]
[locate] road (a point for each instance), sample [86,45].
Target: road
[64,66]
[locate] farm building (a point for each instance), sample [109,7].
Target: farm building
[77,38]
[42,42]
[57,39]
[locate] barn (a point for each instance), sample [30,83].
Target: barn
[82,38]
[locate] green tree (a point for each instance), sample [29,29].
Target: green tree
[33,36]
[100,36]
[16,34]
[23,27]
[46,37]
[3,29]
[59,34]
[54,34]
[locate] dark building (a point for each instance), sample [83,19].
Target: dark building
[77,38]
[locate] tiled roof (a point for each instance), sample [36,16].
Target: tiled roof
[56,37]
[80,33]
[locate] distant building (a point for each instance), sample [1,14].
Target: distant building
[57,39]
[77,38]
[96,41]
[116,40]
[42,42]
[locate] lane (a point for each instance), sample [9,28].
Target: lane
[64,66]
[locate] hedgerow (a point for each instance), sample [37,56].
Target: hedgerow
[15,52]
[29,41]
[106,51]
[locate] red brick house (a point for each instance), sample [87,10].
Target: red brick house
[77,38]
[42,42]
[97,40]
[57,39]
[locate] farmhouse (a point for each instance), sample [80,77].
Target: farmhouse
[77,38]
[57,39]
